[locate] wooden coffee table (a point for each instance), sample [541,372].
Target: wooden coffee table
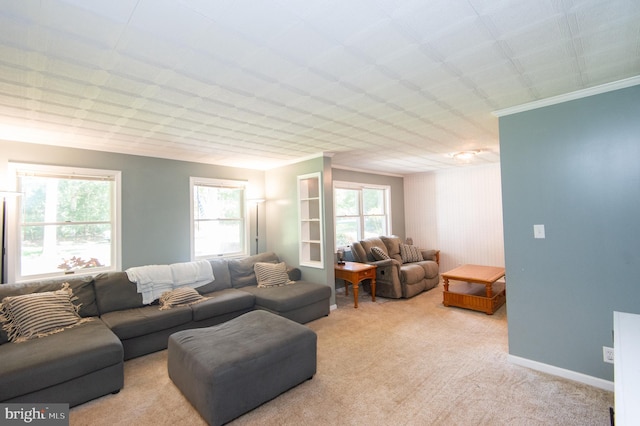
[353,272]
[478,290]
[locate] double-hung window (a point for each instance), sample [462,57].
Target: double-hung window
[67,221]
[361,211]
[219,224]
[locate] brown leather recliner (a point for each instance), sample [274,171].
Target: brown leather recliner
[394,278]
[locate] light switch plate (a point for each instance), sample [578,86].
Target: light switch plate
[538,231]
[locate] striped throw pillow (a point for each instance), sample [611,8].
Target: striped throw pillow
[379,254]
[271,274]
[182,296]
[34,315]
[410,253]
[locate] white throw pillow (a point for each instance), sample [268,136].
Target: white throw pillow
[271,274]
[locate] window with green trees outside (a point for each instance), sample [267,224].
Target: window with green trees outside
[67,221]
[361,211]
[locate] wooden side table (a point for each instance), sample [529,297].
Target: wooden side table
[354,273]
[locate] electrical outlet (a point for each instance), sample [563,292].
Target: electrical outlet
[607,354]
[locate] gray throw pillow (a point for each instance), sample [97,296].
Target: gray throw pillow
[410,253]
[379,254]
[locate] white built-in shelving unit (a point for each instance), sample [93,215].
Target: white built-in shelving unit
[310,216]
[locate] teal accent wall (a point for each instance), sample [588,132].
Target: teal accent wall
[155,196]
[281,191]
[574,167]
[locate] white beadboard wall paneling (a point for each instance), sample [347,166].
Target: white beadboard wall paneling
[458,211]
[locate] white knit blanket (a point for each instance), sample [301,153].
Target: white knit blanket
[153,280]
[191,274]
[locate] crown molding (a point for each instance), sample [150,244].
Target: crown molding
[578,94]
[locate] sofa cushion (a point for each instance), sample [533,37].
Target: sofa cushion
[287,298]
[221,277]
[135,322]
[222,302]
[115,292]
[241,270]
[368,244]
[392,243]
[410,254]
[38,364]
[357,252]
[411,273]
[271,274]
[295,274]
[430,267]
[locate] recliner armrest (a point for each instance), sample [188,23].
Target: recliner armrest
[386,265]
[382,263]
[431,255]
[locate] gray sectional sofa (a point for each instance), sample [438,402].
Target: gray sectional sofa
[86,361]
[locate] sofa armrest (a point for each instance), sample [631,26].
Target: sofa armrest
[431,255]
[295,274]
[381,263]
[386,265]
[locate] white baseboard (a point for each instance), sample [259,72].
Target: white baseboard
[561,372]
[332,307]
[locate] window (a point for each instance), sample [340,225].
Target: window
[68,220]
[361,211]
[219,225]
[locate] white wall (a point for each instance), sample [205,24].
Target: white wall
[459,212]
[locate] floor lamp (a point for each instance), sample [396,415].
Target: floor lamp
[257,201]
[4,195]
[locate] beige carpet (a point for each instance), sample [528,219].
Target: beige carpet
[392,362]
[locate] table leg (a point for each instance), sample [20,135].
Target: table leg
[446,289]
[489,296]
[355,293]
[373,289]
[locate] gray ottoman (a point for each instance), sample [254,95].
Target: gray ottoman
[231,368]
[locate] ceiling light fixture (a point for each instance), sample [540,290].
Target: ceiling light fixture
[465,156]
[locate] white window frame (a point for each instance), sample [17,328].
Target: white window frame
[360,186]
[14,271]
[222,183]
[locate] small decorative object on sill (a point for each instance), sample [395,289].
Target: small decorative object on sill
[75,263]
[340,256]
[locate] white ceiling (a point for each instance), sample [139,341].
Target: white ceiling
[387,86]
